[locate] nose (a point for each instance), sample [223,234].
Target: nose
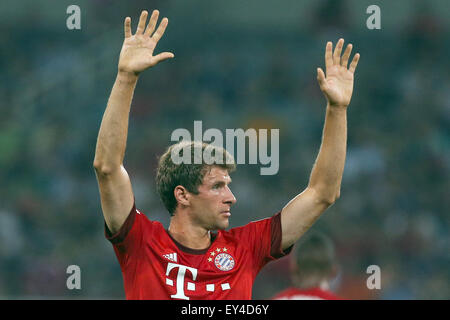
[230,198]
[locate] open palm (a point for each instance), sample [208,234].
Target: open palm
[337,86]
[137,50]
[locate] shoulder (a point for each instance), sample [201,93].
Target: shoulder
[261,231]
[252,226]
[142,219]
[255,234]
[137,223]
[266,228]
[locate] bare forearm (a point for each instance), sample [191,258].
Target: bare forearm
[326,176]
[112,137]
[327,172]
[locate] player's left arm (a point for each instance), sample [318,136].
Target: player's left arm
[325,180]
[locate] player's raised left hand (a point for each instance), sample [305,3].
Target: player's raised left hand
[337,85]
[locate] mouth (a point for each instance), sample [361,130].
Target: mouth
[226,213]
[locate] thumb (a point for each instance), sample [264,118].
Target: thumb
[321,78]
[163,56]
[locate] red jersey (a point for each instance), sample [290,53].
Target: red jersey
[307,294]
[155,266]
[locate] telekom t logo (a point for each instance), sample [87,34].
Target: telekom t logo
[180,280]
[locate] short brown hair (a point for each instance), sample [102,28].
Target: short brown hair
[190,175]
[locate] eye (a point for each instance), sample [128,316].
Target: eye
[217,186]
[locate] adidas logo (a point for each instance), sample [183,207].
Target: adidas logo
[171,257]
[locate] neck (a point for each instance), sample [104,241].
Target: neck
[189,235]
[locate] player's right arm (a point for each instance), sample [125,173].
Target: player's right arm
[136,56]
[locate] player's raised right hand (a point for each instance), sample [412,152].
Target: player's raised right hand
[137,50]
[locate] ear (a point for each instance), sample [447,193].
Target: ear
[182,195]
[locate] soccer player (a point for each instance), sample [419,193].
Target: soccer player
[312,269]
[196,258]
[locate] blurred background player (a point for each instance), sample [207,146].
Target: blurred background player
[313,266]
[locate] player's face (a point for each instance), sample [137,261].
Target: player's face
[211,207]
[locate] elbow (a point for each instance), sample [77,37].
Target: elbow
[328,197]
[330,200]
[102,168]
[335,197]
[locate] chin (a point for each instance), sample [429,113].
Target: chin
[222,225]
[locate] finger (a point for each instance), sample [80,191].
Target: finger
[321,78]
[160,31]
[328,55]
[344,60]
[152,23]
[354,63]
[142,19]
[127,27]
[163,56]
[337,52]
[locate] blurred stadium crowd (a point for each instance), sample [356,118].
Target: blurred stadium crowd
[54,84]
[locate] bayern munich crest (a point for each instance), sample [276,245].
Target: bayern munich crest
[224,262]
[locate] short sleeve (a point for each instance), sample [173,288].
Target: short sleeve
[120,235]
[129,238]
[263,239]
[276,251]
